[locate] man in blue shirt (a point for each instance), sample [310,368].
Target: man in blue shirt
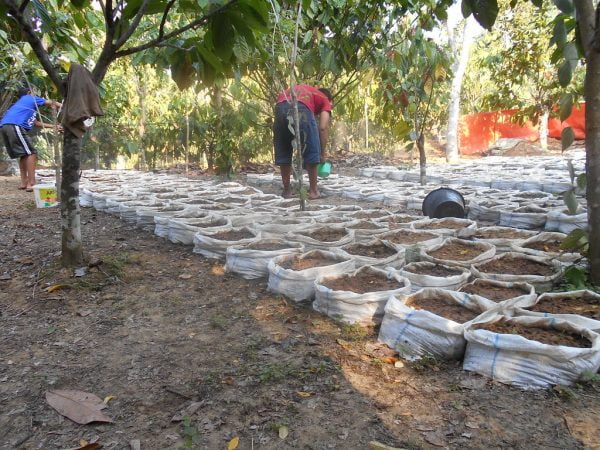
[15,124]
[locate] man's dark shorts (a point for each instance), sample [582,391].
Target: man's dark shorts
[16,141]
[282,137]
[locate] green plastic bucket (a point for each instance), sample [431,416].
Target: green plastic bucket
[324,169]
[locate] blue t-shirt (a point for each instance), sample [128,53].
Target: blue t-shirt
[22,113]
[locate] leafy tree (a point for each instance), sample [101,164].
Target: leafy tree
[197,39]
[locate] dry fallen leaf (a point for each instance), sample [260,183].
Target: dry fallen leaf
[108,398]
[389,360]
[80,407]
[283,432]
[305,394]
[185,276]
[56,287]
[233,443]
[187,411]
[374,445]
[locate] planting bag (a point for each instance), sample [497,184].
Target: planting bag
[299,285]
[351,307]
[395,261]
[513,359]
[420,280]
[252,263]
[182,230]
[417,333]
[547,236]
[211,247]
[488,252]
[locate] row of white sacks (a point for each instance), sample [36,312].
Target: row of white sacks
[532,210]
[537,173]
[159,203]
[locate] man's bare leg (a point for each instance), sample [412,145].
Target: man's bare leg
[30,163]
[23,172]
[313,193]
[286,173]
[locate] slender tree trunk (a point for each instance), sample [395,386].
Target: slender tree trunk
[56,146]
[141,91]
[187,142]
[586,15]
[366,122]
[458,68]
[72,248]
[543,127]
[422,159]
[97,158]
[297,142]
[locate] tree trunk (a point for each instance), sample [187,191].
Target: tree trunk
[72,249]
[543,127]
[586,21]
[56,146]
[97,158]
[422,159]
[141,91]
[366,122]
[458,68]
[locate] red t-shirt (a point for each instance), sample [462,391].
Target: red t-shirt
[313,98]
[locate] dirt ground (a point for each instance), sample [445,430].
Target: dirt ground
[158,329]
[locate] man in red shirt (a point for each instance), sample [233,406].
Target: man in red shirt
[312,103]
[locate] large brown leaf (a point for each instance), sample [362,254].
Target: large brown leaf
[80,407]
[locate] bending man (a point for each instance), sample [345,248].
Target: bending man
[314,107]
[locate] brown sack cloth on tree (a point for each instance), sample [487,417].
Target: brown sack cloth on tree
[82,102]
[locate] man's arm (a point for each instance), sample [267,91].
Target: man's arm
[53,104]
[324,132]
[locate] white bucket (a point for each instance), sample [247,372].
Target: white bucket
[45,195]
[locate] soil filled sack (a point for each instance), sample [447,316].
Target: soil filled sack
[527,217]
[283,225]
[449,226]
[430,275]
[145,216]
[365,230]
[429,322]
[546,245]
[358,297]
[322,237]
[294,275]
[565,223]
[541,273]
[182,230]
[214,244]
[500,237]
[503,294]
[530,352]
[128,210]
[376,253]
[458,252]
[252,260]
[85,198]
[581,308]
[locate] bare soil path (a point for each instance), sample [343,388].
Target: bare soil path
[158,327]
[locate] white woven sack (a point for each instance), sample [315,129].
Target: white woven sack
[312,244]
[417,333]
[210,247]
[145,216]
[556,188]
[283,225]
[520,219]
[252,263]
[539,282]
[422,225]
[367,233]
[565,223]
[488,252]
[487,211]
[351,307]
[419,281]
[513,359]
[250,219]
[521,300]
[546,236]
[299,285]
[182,230]
[85,198]
[501,244]
[576,319]
[128,210]
[394,261]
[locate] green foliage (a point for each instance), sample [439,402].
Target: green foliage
[191,435]
[576,278]
[577,240]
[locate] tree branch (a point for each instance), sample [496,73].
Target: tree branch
[36,44]
[23,5]
[159,40]
[161,29]
[586,21]
[133,25]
